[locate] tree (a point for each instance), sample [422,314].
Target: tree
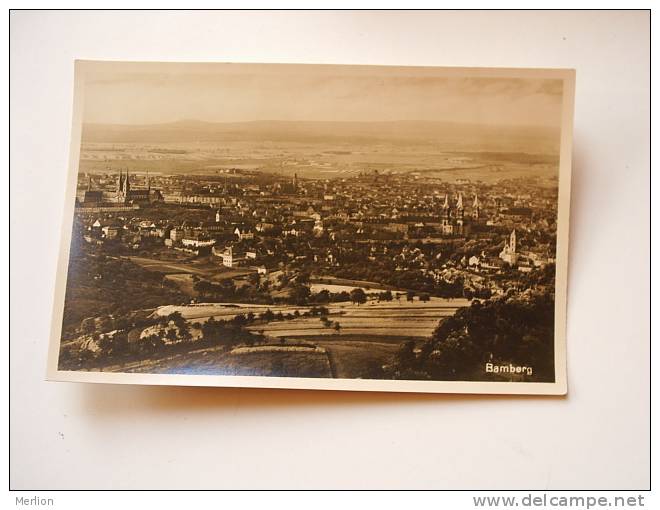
[343,296]
[410,295]
[405,356]
[171,334]
[303,277]
[239,320]
[176,318]
[301,294]
[512,330]
[153,342]
[323,296]
[267,316]
[184,331]
[337,328]
[385,296]
[253,278]
[358,296]
[424,296]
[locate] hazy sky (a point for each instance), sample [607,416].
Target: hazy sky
[142,94]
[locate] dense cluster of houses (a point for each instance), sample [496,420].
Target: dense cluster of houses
[331,222]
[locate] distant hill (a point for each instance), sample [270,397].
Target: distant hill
[528,139]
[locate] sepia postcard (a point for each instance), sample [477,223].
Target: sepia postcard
[333,227]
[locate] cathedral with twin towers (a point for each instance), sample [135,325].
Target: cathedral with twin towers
[453,221]
[125,192]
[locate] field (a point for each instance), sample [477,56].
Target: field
[335,289]
[261,361]
[170,267]
[345,357]
[348,340]
[367,340]
[181,272]
[398,318]
[322,150]
[369,336]
[359,356]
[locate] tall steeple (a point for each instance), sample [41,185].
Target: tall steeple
[509,253]
[476,207]
[459,214]
[446,216]
[119,193]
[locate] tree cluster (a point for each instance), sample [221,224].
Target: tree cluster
[516,330]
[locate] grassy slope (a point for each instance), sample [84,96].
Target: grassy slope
[216,361]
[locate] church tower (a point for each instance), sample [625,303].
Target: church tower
[447,227]
[476,207]
[123,187]
[508,253]
[119,193]
[460,214]
[217,216]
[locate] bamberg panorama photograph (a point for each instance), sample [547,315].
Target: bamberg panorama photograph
[349,222]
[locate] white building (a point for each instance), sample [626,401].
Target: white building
[230,257]
[243,234]
[509,252]
[176,234]
[197,242]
